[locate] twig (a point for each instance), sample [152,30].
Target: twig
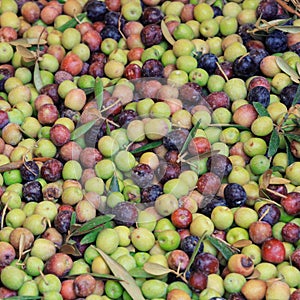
[288,8]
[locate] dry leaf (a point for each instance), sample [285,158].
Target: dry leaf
[266,179]
[242,243]
[156,269]
[25,53]
[279,180]
[166,33]
[254,275]
[70,249]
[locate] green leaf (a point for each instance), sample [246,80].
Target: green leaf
[139,272]
[147,147]
[92,224]
[114,184]
[290,156]
[107,129]
[126,279]
[224,248]
[289,28]
[73,218]
[274,143]
[261,110]
[88,90]
[37,79]
[230,125]
[190,137]
[297,96]
[195,252]
[278,169]
[287,69]
[98,90]
[72,23]
[166,33]
[81,130]
[92,236]
[294,137]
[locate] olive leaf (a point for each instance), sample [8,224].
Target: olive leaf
[194,254]
[226,250]
[81,130]
[73,218]
[156,269]
[73,22]
[26,54]
[37,79]
[114,184]
[289,28]
[11,166]
[190,136]
[290,156]
[98,90]
[166,33]
[92,224]
[92,236]
[274,143]
[291,136]
[230,125]
[279,180]
[287,69]
[70,249]
[139,272]
[297,96]
[146,147]
[266,176]
[126,279]
[27,42]
[261,110]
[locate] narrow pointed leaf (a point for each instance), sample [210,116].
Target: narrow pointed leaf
[147,147]
[98,90]
[289,28]
[139,272]
[25,53]
[92,224]
[166,33]
[156,269]
[37,79]
[279,180]
[114,184]
[81,130]
[225,249]
[126,279]
[274,143]
[92,236]
[230,125]
[287,69]
[261,110]
[266,179]
[72,23]
[290,156]
[73,218]
[70,249]
[190,137]
[294,137]
[108,131]
[297,96]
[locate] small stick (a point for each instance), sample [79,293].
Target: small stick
[288,8]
